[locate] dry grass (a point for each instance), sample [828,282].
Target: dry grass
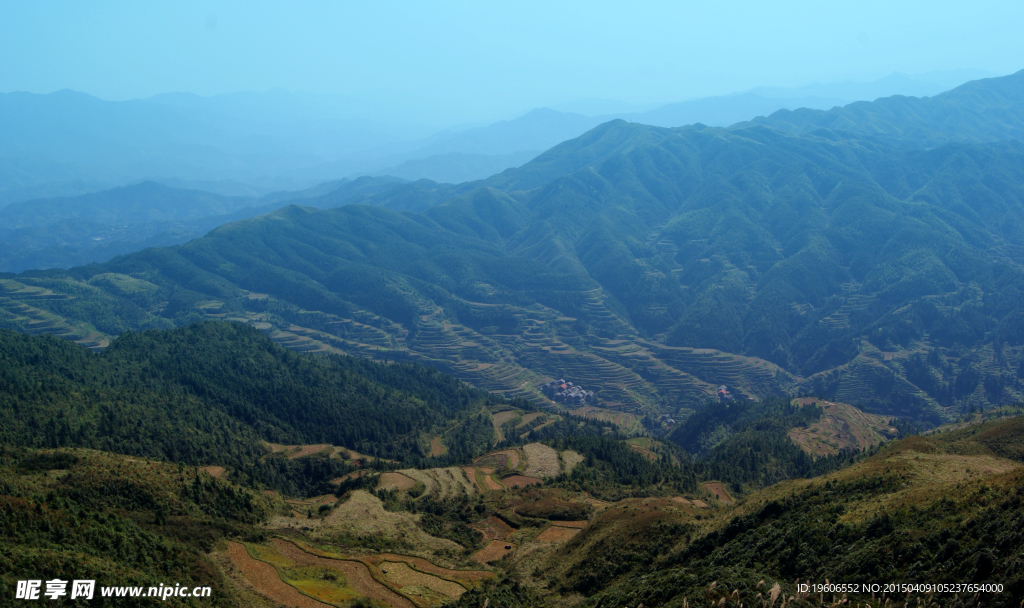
[556,534]
[412,582]
[570,459]
[527,419]
[841,426]
[494,551]
[541,461]
[499,419]
[395,481]
[649,455]
[265,580]
[521,481]
[363,514]
[424,477]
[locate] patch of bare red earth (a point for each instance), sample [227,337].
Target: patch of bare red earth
[556,534]
[263,577]
[521,481]
[494,551]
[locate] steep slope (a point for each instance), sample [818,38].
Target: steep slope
[651,264]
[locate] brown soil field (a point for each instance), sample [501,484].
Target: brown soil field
[556,534]
[570,459]
[265,580]
[541,461]
[681,500]
[215,472]
[436,449]
[571,524]
[395,481]
[429,567]
[699,503]
[402,576]
[521,481]
[841,426]
[719,491]
[494,528]
[357,575]
[491,484]
[494,551]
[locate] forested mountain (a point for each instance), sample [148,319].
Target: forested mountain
[212,393]
[978,111]
[650,263]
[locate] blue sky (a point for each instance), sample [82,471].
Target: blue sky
[483,60]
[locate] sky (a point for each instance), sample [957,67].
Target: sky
[483,60]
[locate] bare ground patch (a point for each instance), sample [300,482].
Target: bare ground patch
[556,534]
[357,575]
[719,491]
[495,550]
[436,448]
[395,481]
[491,484]
[521,481]
[263,577]
[494,528]
[570,459]
[412,582]
[363,514]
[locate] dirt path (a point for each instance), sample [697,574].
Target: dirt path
[265,580]
[356,574]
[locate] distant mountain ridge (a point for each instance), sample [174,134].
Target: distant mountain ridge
[978,111]
[651,263]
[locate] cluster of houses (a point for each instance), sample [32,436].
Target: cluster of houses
[567,392]
[723,394]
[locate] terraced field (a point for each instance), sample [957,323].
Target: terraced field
[626,372]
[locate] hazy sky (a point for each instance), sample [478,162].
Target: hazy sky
[483,59]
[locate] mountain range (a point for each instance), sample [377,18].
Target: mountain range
[652,264]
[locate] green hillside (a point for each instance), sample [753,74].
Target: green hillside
[218,393]
[650,265]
